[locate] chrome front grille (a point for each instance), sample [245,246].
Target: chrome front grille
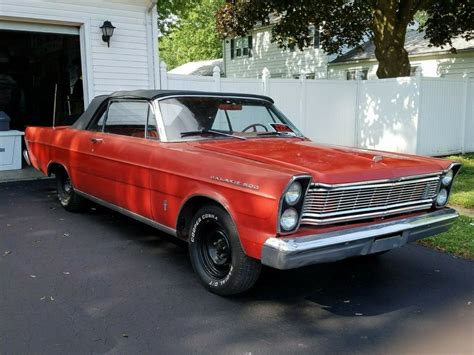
[346,202]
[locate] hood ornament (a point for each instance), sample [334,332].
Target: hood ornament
[377,158]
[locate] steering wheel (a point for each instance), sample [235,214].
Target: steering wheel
[254,126]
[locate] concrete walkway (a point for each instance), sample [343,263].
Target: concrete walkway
[464,211]
[25,174]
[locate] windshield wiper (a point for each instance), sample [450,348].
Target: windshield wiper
[280,134]
[209,131]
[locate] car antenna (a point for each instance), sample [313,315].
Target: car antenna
[54,108]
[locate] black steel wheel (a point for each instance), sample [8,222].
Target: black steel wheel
[67,196]
[217,255]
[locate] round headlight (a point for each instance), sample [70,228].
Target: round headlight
[448,178]
[442,198]
[293,194]
[289,219]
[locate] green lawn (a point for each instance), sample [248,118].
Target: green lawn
[463,190]
[459,240]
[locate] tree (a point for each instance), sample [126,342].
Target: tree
[190,33]
[349,23]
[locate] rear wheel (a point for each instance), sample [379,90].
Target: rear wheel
[217,255]
[68,198]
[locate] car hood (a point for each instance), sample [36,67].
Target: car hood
[327,164]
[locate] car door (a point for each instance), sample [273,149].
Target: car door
[121,143]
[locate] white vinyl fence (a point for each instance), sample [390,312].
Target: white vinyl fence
[416,115]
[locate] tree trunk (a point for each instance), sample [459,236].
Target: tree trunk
[391,18]
[393,60]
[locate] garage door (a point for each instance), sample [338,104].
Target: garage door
[38,27]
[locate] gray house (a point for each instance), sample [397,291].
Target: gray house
[246,57]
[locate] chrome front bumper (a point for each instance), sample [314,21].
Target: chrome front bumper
[290,253]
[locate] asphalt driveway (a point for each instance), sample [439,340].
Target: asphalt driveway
[99,282]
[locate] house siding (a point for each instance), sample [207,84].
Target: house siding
[129,63]
[280,62]
[441,65]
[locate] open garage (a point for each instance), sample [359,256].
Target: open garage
[40,75]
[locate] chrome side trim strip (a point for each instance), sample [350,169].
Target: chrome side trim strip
[128,213]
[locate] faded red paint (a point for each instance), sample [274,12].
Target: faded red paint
[139,175]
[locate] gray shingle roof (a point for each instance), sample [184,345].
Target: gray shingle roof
[415,44]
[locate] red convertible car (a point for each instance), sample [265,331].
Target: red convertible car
[232,176]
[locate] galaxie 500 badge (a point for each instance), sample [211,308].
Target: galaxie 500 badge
[235,182]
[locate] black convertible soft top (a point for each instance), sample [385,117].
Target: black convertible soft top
[83,121]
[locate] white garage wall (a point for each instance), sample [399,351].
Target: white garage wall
[130,61]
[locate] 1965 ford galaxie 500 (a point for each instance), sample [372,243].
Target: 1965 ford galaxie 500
[232,176]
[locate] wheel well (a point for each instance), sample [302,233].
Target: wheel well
[56,168]
[188,211]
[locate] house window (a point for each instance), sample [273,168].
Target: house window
[308,76]
[241,47]
[314,40]
[314,34]
[353,74]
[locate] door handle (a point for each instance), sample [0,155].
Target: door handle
[96,140]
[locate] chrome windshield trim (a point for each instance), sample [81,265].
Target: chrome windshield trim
[216,96]
[161,123]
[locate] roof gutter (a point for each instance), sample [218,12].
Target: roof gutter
[153,4]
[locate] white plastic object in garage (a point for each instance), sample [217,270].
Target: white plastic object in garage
[10,150]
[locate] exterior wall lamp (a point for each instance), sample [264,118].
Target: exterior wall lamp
[107,32]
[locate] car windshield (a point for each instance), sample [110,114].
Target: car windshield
[191,118]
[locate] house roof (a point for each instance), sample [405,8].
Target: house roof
[415,44]
[202,68]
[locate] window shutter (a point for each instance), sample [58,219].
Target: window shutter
[316,39]
[250,45]
[232,48]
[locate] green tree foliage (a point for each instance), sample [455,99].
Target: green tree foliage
[189,29]
[349,23]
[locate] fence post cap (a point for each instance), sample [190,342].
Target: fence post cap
[216,71]
[163,65]
[265,72]
[419,71]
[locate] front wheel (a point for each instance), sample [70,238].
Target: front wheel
[68,198]
[217,255]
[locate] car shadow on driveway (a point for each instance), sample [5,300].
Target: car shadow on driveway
[131,289]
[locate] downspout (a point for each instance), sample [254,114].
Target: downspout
[224,57]
[153,13]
